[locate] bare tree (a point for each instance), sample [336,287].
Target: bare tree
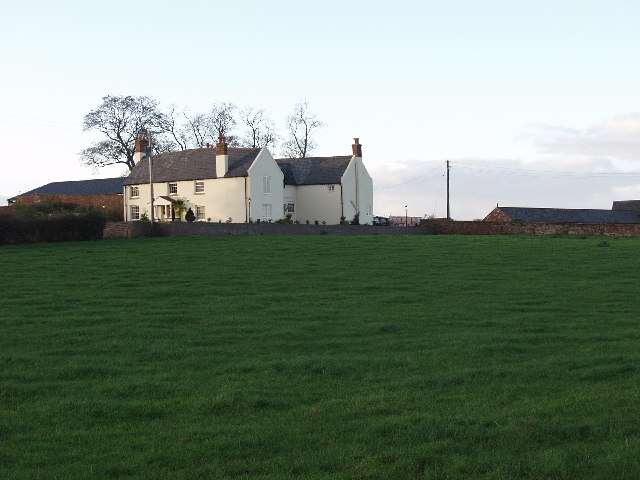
[260,129]
[178,133]
[196,126]
[120,119]
[203,128]
[301,125]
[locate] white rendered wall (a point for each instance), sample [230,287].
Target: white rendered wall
[317,202]
[265,166]
[357,192]
[223,198]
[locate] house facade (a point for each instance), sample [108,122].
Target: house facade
[224,184]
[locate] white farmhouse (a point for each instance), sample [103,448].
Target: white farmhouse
[246,184]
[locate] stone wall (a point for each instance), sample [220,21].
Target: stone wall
[179,229]
[445,227]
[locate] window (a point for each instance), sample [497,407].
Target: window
[173,189]
[167,212]
[266,184]
[332,188]
[199,186]
[135,212]
[290,208]
[266,212]
[135,192]
[199,212]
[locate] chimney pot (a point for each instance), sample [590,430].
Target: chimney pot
[221,147]
[357,148]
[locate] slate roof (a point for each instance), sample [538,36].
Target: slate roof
[566,215]
[313,170]
[195,164]
[626,205]
[79,187]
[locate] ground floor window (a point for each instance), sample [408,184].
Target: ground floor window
[135,212]
[199,212]
[266,212]
[290,208]
[163,212]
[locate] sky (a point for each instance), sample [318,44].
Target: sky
[534,103]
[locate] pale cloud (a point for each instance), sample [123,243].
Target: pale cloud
[616,138]
[478,184]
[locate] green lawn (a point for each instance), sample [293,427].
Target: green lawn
[321,357]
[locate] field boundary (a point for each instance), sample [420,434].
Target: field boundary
[452,227]
[180,229]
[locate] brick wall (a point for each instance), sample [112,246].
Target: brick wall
[444,227]
[7,210]
[113,202]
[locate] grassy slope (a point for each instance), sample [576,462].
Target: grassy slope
[320,357]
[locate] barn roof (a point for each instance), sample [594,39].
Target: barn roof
[79,187]
[569,215]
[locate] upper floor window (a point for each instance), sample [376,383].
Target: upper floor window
[173,189]
[266,184]
[135,212]
[199,186]
[332,188]
[135,192]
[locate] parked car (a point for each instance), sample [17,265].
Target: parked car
[381,221]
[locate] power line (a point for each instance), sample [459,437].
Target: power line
[38,122]
[510,171]
[409,180]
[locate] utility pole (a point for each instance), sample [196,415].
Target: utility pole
[448,204]
[149,155]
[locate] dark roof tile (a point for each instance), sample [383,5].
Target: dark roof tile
[313,170]
[199,163]
[79,187]
[567,215]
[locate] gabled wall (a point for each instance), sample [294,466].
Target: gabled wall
[357,192]
[265,166]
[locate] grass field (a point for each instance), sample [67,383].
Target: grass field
[321,358]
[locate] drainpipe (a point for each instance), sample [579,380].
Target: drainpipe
[247,203]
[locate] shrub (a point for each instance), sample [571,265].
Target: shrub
[356,219]
[15,229]
[190,216]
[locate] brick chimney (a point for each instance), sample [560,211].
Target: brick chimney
[357,148]
[142,142]
[222,157]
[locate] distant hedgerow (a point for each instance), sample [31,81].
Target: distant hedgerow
[15,229]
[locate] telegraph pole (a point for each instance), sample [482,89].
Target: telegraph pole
[149,155]
[448,204]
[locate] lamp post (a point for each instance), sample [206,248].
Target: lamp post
[406,216]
